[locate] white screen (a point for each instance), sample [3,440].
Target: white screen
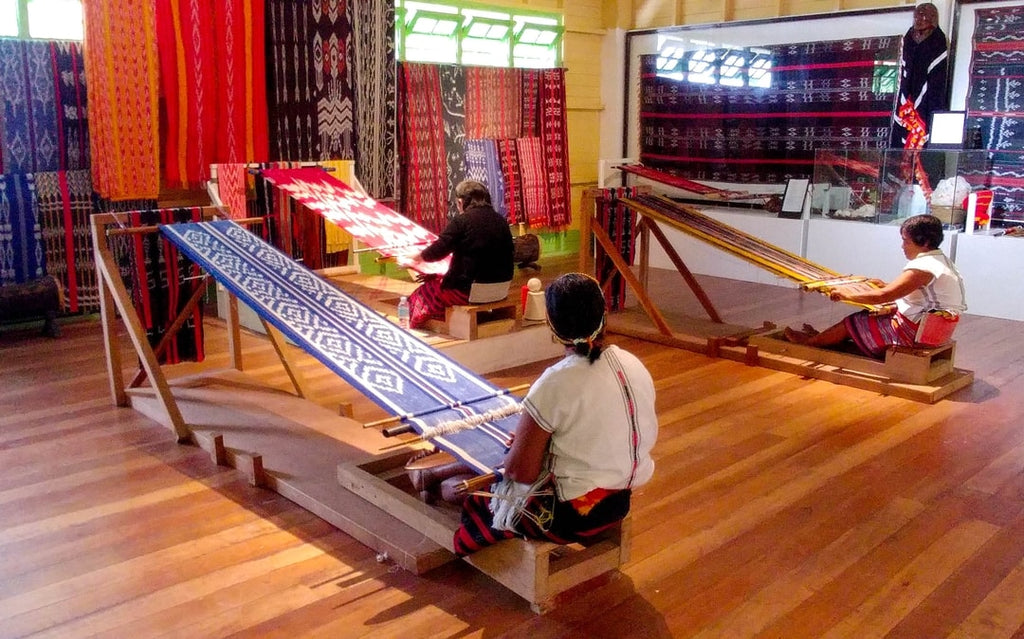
[947,128]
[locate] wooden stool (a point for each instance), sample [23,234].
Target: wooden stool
[539,571]
[41,298]
[481,320]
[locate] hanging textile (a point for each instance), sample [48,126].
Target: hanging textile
[493,102]
[554,137]
[29,113]
[529,118]
[424,162]
[508,156]
[373,31]
[309,87]
[65,205]
[161,282]
[995,106]
[232,184]
[72,111]
[534,188]
[484,166]
[122,69]
[619,222]
[213,76]
[453,113]
[822,95]
[22,256]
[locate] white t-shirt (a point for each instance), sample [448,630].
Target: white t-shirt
[602,421]
[945,292]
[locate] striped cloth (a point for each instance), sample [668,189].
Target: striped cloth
[122,60]
[391,366]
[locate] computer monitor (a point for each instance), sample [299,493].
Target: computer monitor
[947,130]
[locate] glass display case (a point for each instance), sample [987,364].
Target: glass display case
[882,185]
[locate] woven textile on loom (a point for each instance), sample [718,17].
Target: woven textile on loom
[822,95]
[43,115]
[22,255]
[214,84]
[309,87]
[995,104]
[373,32]
[392,367]
[122,58]
[368,221]
[620,224]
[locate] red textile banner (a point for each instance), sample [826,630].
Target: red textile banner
[425,167]
[493,102]
[555,141]
[368,221]
[534,187]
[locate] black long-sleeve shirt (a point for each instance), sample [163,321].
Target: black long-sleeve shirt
[480,244]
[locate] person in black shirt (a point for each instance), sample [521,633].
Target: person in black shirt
[480,243]
[923,66]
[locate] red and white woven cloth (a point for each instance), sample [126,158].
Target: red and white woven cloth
[371,223]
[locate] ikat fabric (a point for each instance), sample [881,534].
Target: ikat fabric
[393,367]
[214,85]
[65,206]
[376,82]
[368,221]
[484,166]
[995,105]
[123,117]
[554,136]
[43,115]
[310,84]
[533,181]
[453,114]
[22,256]
[493,102]
[823,95]
[424,158]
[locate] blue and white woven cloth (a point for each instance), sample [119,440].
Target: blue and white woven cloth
[393,367]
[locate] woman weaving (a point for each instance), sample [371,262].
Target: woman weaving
[583,441]
[929,283]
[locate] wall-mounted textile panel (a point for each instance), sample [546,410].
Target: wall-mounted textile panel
[817,95]
[995,105]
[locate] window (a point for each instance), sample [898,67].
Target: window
[464,33]
[706,63]
[41,19]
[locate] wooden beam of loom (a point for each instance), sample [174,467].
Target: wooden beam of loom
[737,243]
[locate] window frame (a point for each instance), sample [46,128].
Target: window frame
[469,14]
[22,20]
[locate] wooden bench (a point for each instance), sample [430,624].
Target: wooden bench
[475,321]
[537,571]
[41,298]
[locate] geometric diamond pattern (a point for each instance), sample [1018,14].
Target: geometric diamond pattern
[391,366]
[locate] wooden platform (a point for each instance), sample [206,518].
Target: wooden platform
[537,571]
[924,375]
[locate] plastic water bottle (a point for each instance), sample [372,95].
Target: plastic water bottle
[403,312]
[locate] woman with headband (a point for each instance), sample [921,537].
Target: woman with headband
[584,437]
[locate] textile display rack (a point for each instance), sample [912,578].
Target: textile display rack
[921,374]
[471,418]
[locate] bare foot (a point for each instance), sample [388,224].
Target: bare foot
[795,336]
[809,330]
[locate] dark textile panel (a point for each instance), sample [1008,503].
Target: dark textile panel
[373,31]
[309,80]
[620,224]
[995,106]
[823,95]
[65,205]
[453,113]
[22,256]
[161,280]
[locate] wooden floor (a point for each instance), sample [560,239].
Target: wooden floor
[780,507]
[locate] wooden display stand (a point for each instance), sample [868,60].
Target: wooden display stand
[537,571]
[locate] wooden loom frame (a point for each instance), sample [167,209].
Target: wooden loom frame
[919,374]
[415,535]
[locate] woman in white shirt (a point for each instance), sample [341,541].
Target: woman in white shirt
[929,283]
[584,438]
